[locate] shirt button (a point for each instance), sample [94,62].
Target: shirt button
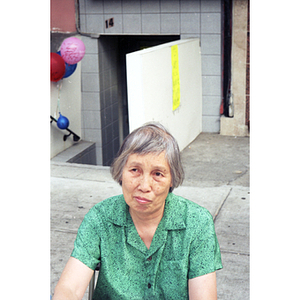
[149,258]
[149,285]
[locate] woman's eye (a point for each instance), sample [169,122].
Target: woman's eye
[158,174]
[135,171]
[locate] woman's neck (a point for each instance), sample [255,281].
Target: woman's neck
[146,225]
[146,219]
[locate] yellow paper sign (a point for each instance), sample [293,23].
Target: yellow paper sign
[175,77]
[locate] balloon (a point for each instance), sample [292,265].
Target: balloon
[57,68]
[70,69]
[62,122]
[72,50]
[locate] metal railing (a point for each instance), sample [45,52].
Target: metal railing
[76,137]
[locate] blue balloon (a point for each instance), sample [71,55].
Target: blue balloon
[70,69]
[62,122]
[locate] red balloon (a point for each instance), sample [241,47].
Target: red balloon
[58,67]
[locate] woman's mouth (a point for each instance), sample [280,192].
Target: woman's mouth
[142,200]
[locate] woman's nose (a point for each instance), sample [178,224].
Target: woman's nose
[145,184]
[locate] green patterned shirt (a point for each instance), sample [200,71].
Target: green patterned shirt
[184,246]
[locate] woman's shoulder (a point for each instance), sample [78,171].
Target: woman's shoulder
[107,207]
[108,202]
[194,213]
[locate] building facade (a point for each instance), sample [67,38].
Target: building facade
[112,29]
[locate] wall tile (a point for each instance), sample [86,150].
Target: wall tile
[90,101]
[133,6]
[132,23]
[112,6]
[91,119]
[150,6]
[115,127]
[114,94]
[211,65]
[93,135]
[113,77]
[210,6]
[106,79]
[94,23]
[211,105]
[115,113]
[151,23]
[118,23]
[211,85]
[101,97]
[110,114]
[190,22]
[210,124]
[90,63]
[105,60]
[210,23]
[211,44]
[100,58]
[106,116]
[99,159]
[170,24]
[91,45]
[90,82]
[189,6]
[116,146]
[102,46]
[104,136]
[106,102]
[168,6]
[109,131]
[94,7]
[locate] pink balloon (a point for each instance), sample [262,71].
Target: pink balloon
[72,50]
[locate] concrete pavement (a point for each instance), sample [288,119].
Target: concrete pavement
[217,177]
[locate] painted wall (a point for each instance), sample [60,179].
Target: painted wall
[62,16]
[63,25]
[70,106]
[150,89]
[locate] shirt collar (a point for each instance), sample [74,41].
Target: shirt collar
[174,214]
[118,212]
[173,218]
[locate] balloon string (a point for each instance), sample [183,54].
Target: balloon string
[59,86]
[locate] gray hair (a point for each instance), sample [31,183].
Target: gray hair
[150,138]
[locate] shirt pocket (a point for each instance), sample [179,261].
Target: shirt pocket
[173,280]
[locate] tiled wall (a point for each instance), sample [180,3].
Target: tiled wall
[100,97]
[90,96]
[187,18]
[109,97]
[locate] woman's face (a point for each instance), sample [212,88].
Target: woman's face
[146,180]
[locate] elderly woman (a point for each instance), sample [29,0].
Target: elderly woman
[151,244]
